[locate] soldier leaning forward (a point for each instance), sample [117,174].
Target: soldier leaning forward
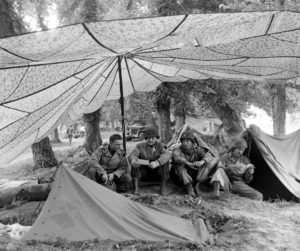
[108,165]
[234,172]
[150,161]
[191,163]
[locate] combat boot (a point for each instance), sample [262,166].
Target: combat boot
[135,185]
[190,190]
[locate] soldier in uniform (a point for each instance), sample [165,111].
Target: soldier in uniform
[109,164]
[234,172]
[189,161]
[150,161]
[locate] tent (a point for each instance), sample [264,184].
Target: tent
[277,160]
[79,209]
[50,76]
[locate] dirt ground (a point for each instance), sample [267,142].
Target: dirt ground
[235,223]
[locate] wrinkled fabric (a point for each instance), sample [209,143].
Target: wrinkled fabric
[236,186]
[185,174]
[53,76]
[105,162]
[157,152]
[282,156]
[78,209]
[234,167]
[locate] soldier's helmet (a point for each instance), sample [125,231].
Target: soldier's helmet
[240,143]
[151,132]
[188,135]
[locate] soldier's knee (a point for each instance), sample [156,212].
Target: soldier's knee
[127,178]
[91,173]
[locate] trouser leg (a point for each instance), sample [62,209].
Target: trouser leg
[93,175]
[241,188]
[123,182]
[136,175]
[185,178]
[160,173]
[182,174]
[221,177]
[164,176]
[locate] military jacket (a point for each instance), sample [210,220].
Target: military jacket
[181,156]
[157,152]
[233,166]
[104,161]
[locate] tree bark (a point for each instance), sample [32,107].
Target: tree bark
[180,111]
[9,25]
[6,22]
[179,122]
[279,109]
[164,125]
[43,154]
[92,131]
[55,136]
[163,103]
[232,122]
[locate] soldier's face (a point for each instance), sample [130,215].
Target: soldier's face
[238,151]
[151,141]
[187,144]
[116,145]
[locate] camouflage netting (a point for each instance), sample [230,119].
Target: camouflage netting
[54,75]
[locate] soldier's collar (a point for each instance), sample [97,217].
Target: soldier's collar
[155,144]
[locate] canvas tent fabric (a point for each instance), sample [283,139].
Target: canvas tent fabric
[54,75]
[79,209]
[277,173]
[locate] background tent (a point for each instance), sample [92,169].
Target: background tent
[79,209]
[277,161]
[53,75]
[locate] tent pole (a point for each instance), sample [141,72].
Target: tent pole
[122,101]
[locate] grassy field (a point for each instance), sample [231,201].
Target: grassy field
[235,223]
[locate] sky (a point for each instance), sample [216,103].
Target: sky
[264,122]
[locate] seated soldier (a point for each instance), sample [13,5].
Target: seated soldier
[150,161]
[189,161]
[234,171]
[109,164]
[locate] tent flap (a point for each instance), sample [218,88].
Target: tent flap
[277,159]
[79,209]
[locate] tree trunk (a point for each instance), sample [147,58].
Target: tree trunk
[163,103]
[279,109]
[164,125]
[43,154]
[55,136]
[92,131]
[180,111]
[231,120]
[6,22]
[179,122]
[8,25]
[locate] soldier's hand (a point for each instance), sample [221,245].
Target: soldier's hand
[111,177]
[153,164]
[190,164]
[104,178]
[250,169]
[199,163]
[134,163]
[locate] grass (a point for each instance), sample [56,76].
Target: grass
[235,223]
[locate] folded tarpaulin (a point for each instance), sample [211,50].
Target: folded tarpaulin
[79,209]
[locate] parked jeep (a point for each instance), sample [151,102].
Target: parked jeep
[135,132]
